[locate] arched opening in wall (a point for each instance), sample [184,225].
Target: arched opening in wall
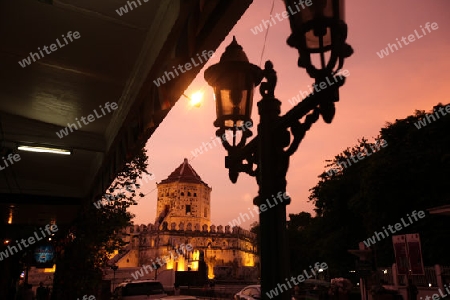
[195,260]
[196,255]
[224,245]
[181,263]
[210,267]
[188,209]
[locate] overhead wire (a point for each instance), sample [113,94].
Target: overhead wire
[265,36]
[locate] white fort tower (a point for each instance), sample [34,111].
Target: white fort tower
[184,200]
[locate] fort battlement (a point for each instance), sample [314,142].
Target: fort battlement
[224,231]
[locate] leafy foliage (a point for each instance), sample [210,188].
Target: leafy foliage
[94,235]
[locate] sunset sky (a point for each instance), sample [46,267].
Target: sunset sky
[378,90]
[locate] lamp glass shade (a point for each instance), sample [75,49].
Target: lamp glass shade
[234,97]
[315,21]
[233,80]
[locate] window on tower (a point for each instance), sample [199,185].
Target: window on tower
[188,209]
[206,212]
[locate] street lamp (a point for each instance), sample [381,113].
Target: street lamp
[318,29]
[114,268]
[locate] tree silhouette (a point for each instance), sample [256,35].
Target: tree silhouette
[410,173]
[93,236]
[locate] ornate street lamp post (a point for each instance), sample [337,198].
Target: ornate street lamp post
[114,268]
[318,29]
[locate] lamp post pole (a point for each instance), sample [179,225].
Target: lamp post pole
[114,268]
[267,152]
[274,247]
[316,30]
[273,137]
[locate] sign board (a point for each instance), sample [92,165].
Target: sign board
[43,255]
[401,254]
[408,254]
[415,254]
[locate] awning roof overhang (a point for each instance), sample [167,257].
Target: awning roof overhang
[115,59]
[440,210]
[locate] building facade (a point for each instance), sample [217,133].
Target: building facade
[182,235]
[184,200]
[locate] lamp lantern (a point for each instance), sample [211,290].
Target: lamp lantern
[233,80]
[319,28]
